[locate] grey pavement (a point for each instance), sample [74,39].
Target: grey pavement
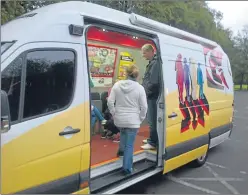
[225,172]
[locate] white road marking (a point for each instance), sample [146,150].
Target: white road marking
[210,179]
[216,165]
[228,186]
[223,167]
[177,180]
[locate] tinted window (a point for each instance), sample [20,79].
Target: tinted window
[49,81]
[11,84]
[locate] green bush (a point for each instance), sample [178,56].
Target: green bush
[244,87]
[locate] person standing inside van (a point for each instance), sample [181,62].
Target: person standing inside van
[128,105]
[151,83]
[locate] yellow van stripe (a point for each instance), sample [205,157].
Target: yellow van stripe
[83,191]
[185,158]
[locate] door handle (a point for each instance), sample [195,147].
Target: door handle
[172,115]
[73,131]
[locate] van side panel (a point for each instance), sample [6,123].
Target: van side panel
[195,106]
[220,85]
[187,123]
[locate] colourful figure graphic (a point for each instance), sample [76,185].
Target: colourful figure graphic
[215,76]
[193,78]
[187,78]
[191,107]
[185,123]
[193,96]
[183,78]
[202,99]
[200,81]
[213,65]
[223,78]
[179,76]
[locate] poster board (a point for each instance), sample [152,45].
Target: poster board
[102,61]
[125,61]
[102,81]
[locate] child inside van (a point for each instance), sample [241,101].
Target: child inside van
[95,113]
[110,130]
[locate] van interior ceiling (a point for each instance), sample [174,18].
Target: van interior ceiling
[109,53]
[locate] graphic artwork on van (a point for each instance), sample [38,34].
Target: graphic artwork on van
[179,76]
[189,90]
[187,78]
[202,102]
[181,81]
[215,74]
[193,96]
[192,106]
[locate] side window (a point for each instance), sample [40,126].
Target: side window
[49,81]
[11,84]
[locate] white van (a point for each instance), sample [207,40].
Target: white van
[47,143]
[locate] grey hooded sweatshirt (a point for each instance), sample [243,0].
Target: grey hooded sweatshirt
[127,103]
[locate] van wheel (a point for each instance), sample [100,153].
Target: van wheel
[199,161]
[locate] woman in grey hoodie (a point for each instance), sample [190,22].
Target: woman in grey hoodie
[127,103]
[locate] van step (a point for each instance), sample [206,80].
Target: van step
[101,183]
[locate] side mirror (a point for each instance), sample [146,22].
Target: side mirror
[5,112]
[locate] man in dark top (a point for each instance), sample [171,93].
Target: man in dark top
[151,83]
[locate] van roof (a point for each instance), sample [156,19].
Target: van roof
[44,24]
[49,21]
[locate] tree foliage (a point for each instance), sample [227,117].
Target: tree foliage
[192,16]
[240,57]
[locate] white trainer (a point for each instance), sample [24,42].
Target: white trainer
[148,147]
[104,122]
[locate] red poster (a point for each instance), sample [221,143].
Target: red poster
[102,60]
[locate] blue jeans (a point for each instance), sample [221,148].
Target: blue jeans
[95,114]
[126,145]
[152,120]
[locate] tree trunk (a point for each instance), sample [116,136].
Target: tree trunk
[241,81]
[247,81]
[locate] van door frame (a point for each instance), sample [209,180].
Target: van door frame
[93,22]
[161,122]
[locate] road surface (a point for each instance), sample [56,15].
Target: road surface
[225,172]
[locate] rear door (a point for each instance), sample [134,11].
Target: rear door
[41,153]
